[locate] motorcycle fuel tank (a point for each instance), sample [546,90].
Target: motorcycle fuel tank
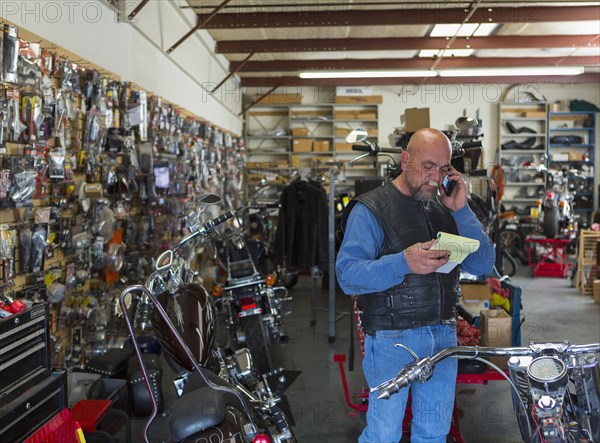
[192,312]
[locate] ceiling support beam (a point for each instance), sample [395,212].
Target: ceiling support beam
[292,17]
[137,9]
[244,110]
[232,72]
[411,63]
[405,43]
[456,81]
[202,23]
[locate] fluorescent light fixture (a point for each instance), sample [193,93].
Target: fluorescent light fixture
[458,52]
[367,74]
[485,29]
[465,30]
[429,53]
[444,30]
[493,72]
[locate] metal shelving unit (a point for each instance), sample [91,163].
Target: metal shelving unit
[580,154]
[531,119]
[306,124]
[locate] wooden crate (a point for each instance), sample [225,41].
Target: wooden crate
[587,268]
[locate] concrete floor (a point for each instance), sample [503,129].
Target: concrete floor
[553,311]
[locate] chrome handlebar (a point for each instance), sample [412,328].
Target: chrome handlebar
[421,370]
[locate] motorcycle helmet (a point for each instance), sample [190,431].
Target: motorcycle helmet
[192,312]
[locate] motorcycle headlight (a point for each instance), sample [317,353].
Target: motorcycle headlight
[238,242]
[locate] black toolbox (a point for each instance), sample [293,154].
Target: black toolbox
[24,347]
[22,416]
[30,393]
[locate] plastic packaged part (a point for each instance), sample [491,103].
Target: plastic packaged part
[105,224]
[56,168]
[116,256]
[5,183]
[56,292]
[15,126]
[3,125]
[145,158]
[23,187]
[39,245]
[25,250]
[10,52]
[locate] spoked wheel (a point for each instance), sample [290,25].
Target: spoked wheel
[258,342]
[512,242]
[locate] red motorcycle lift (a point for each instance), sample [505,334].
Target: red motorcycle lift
[548,256]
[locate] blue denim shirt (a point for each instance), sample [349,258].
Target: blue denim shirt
[358,271]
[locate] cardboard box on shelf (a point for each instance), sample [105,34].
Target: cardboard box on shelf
[355,115]
[560,157]
[320,146]
[301,145]
[415,119]
[575,156]
[597,291]
[534,114]
[300,161]
[342,132]
[475,292]
[496,331]
[300,132]
[366,99]
[342,147]
[281,99]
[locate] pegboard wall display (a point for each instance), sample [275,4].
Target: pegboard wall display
[96,176]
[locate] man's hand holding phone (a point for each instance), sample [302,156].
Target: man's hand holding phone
[453,190]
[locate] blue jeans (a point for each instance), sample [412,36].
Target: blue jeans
[432,402]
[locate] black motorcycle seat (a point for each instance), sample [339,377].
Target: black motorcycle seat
[195,412]
[195,382]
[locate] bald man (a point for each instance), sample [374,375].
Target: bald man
[386,260]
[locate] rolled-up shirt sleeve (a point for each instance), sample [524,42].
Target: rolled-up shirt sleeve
[480,262]
[358,269]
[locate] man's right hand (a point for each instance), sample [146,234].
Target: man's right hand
[421,260]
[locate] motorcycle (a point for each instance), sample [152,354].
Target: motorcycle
[558,219]
[555,387]
[251,305]
[260,236]
[237,402]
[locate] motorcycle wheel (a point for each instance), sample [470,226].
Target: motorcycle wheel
[550,223]
[289,280]
[258,341]
[512,242]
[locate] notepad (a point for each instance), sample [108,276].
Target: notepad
[459,248]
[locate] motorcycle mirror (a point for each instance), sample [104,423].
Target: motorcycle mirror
[209,199]
[464,123]
[357,135]
[164,260]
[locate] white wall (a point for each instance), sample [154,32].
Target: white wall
[137,51]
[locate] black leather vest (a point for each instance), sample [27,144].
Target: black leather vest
[420,300]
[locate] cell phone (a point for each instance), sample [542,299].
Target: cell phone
[448,185]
